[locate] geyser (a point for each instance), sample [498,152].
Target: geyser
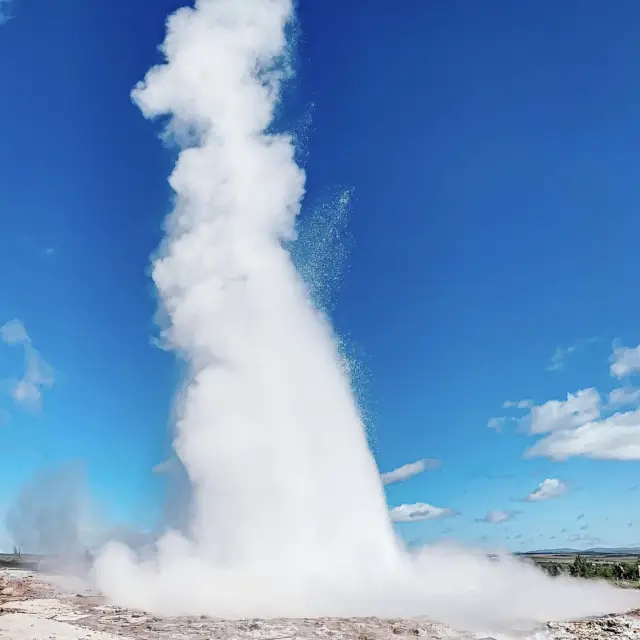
[288,512]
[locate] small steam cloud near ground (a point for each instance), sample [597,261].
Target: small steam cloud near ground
[268,399]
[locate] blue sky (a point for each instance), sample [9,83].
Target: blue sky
[492,153]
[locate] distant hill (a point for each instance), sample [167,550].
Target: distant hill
[613,551]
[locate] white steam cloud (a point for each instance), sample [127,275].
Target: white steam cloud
[288,514]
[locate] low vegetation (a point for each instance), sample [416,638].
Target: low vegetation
[581,567]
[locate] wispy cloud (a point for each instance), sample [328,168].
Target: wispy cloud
[37,375]
[409,470]
[497,424]
[583,537]
[419,511]
[5,12]
[498,517]
[13,332]
[517,404]
[548,489]
[562,354]
[559,358]
[165,466]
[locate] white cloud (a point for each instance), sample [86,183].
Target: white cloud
[13,332]
[560,356]
[624,361]
[624,396]
[559,415]
[517,404]
[419,511]
[547,489]
[614,438]
[498,517]
[576,427]
[409,470]
[37,375]
[497,424]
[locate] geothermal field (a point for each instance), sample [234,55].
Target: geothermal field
[267,397]
[33,607]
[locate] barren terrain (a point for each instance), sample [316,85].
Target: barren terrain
[32,608]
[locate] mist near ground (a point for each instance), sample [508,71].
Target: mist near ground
[54,516]
[47,514]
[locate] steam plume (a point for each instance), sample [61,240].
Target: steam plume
[288,516]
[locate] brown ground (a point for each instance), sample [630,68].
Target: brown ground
[32,609]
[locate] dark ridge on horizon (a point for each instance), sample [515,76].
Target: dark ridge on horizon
[611,551]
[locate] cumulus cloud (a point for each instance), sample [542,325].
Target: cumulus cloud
[560,415]
[419,511]
[554,415]
[546,490]
[37,375]
[625,361]
[624,397]
[498,517]
[616,437]
[499,422]
[581,424]
[409,470]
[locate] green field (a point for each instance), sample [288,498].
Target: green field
[621,567]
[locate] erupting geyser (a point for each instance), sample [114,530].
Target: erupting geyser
[289,515]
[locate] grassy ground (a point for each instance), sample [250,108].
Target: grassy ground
[546,560]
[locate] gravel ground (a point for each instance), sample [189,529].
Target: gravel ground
[32,608]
